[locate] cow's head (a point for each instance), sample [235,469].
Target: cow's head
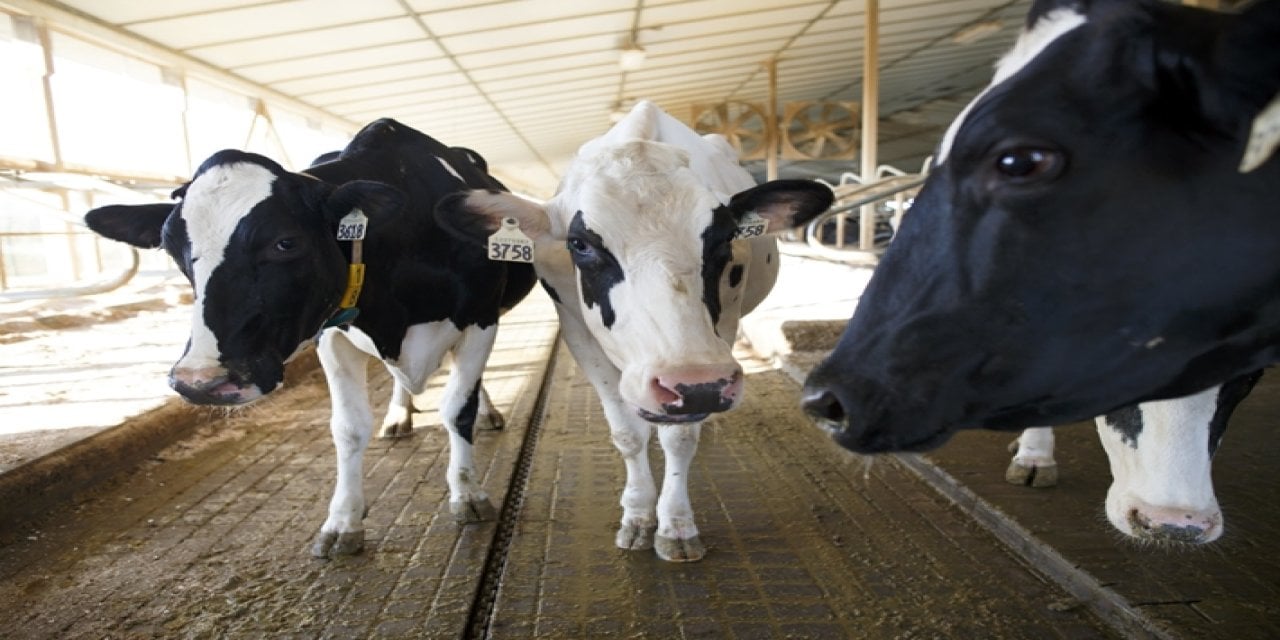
[258,246]
[1094,233]
[645,252]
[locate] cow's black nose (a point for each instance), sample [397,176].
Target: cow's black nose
[823,405]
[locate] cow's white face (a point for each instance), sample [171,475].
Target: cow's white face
[648,246]
[216,202]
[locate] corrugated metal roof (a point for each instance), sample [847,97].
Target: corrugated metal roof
[525,82]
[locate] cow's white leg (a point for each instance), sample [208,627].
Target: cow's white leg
[351,423]
[399,419]
[1033,464]
[677,537]
[423,350]
[639,498]
[459,407]
[629,432]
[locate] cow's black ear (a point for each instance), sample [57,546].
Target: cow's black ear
[375,199]
[1246,61]
[137,224]
[784,203]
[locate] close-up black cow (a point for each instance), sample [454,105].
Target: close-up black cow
[1100,227]
[274,260]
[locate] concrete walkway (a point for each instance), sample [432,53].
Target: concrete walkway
[208,537]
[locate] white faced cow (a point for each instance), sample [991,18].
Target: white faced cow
[1101,228]
[1160,454]
[272,257]
[637,249]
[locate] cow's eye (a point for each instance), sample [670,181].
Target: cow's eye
[1028,163]
[580,247]
[285,245]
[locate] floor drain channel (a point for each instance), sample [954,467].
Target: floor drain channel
[486,594]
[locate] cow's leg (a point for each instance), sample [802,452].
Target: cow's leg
[351,423]
[1033,464]
[488,417]
[399,419]
[630,434]
[677,537]
[459,407]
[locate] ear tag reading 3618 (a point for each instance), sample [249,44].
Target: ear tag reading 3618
[353,225]
[510,244]
[751,226]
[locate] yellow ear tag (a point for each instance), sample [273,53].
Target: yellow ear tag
[510,244]
[355,280]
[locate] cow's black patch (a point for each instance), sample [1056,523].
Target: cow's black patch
[1229,396]
[598,269]
[551,291]
[735,275]
[1127,422]
[465,421]
[717,250]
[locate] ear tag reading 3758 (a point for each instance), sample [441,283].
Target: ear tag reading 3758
[353,225]
[751,226]
[510,244]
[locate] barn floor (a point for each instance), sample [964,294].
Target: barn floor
[208,537]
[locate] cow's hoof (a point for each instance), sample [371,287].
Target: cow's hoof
[635,537]
[468,511]
[1038,476]
[679,549]
[331,543]
[393,430]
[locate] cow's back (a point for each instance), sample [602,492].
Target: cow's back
[415,271]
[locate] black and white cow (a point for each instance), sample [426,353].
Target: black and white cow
[1101,228]
[1160,454]
[261,248]
[637,249]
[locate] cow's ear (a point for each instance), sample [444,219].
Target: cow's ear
[137,224]
[376,199]
[786,204]
[1244,70]
[475,215]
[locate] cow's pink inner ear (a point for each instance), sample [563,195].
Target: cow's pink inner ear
[495,207]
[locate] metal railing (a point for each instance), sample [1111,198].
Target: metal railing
[889,197]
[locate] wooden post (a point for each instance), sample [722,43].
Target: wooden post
[771,133]
[870,113]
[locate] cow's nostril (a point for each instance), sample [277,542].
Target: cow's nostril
[824,405]
[663,394]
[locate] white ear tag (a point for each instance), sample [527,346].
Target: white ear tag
[1264,137]
[510,244]
[353,225]
[751,226]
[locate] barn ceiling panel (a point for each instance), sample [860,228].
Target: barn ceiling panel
[525,82]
